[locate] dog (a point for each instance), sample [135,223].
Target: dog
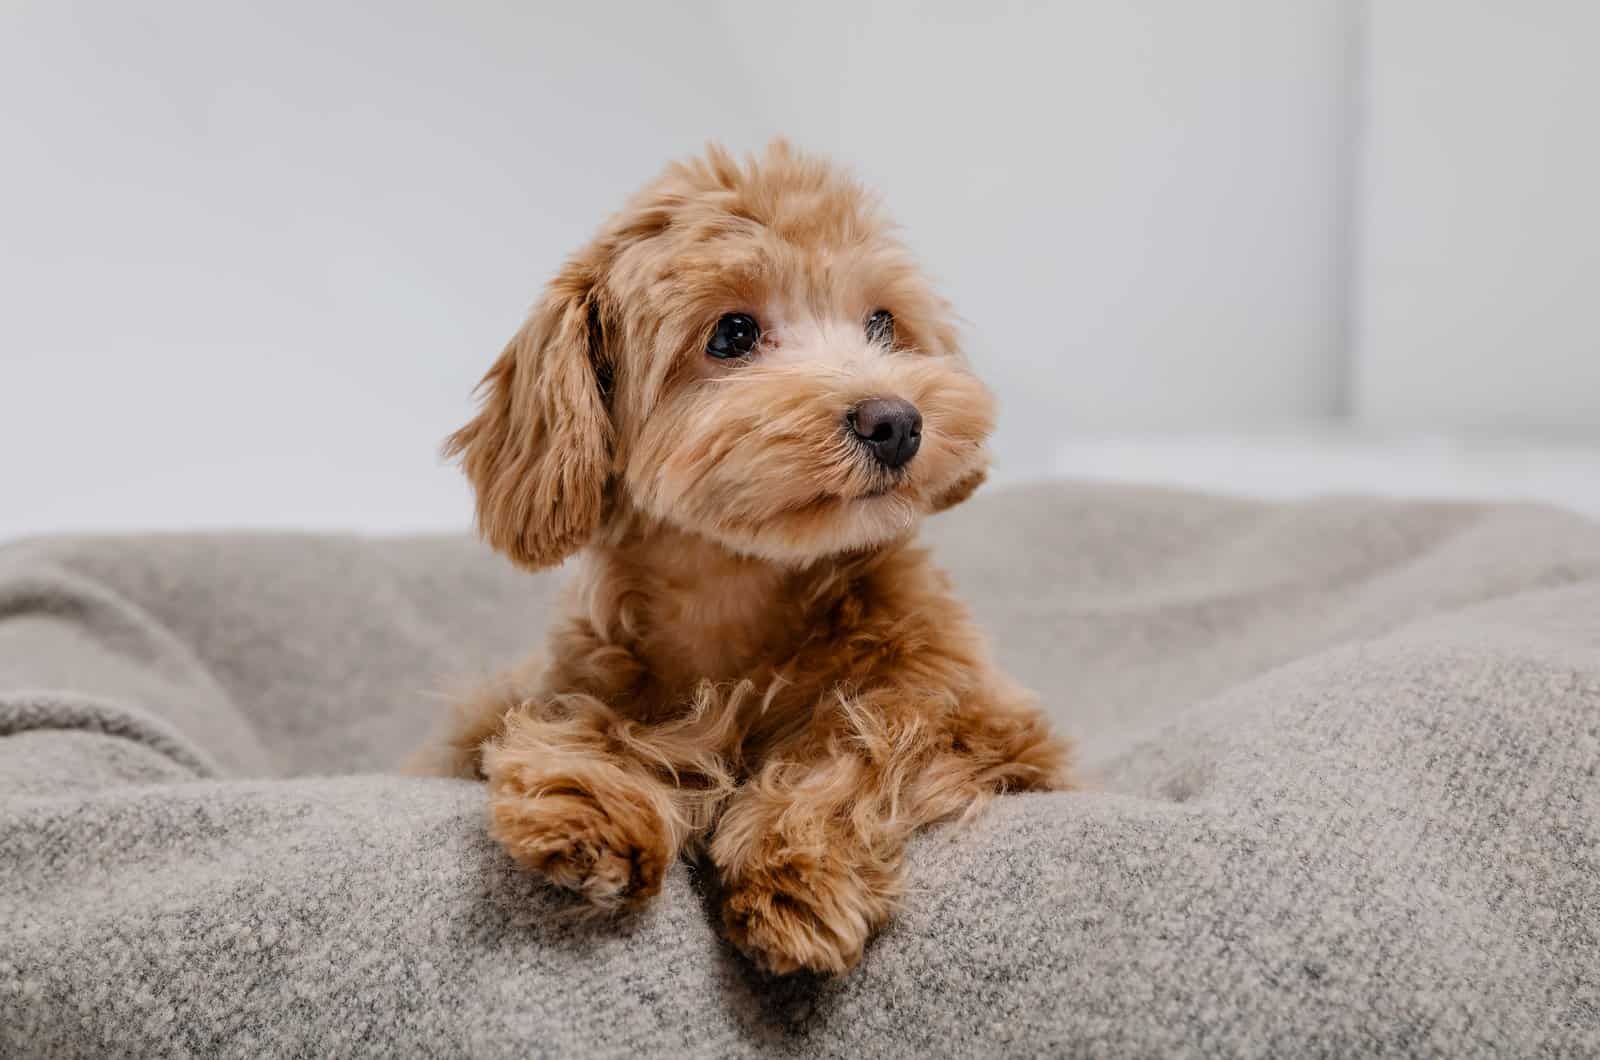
[738,402]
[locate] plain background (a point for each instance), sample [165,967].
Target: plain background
[257,254]
[1479,276]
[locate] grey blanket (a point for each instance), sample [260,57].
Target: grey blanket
[1345,801]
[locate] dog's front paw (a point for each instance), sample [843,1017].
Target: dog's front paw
[810,912]
[609,848]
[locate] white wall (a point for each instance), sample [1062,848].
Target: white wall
[259,252]
[1480,264]
[256,255]
[1137,203]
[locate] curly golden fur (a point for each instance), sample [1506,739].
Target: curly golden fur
[754,658]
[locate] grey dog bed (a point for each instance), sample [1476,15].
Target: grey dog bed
[1345,801]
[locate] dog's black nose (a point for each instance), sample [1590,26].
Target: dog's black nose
[891,428]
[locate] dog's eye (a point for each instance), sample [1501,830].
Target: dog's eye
[880,327]
[736,335]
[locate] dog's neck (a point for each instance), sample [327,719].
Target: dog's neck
[694,610]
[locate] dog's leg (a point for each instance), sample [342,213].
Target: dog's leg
[810,849]
[601,804]
[567,803]
[806,880]
[455,749]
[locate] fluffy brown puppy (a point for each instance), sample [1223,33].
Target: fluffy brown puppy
[739,401]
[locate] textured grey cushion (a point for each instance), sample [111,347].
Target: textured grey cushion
[1347,802]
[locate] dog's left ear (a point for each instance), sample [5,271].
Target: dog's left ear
[539,451]
[964,487]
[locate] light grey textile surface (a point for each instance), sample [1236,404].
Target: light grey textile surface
[1346,757]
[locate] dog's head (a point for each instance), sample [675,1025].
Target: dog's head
[746,353]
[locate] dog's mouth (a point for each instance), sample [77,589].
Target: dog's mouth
[882,484]
[824,502]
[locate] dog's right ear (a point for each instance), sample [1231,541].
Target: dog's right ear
[539,451]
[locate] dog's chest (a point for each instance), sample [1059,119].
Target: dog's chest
[715,636]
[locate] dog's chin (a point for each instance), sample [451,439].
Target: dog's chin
[823,528]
